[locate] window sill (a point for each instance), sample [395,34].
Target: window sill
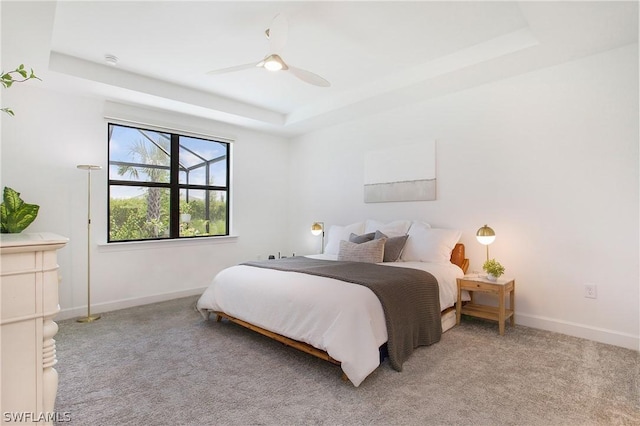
[161,244]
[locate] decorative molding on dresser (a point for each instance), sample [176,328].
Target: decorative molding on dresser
[28,304]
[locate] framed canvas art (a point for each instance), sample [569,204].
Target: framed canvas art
[401,173]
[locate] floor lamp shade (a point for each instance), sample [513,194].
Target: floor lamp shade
[486,236]
[88,168]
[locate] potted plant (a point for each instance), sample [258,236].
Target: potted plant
[15,214]
[493,268]
[185,212]
[8,78]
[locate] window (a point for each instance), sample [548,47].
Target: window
[164,185]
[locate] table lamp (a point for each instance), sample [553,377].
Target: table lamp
[486,236]
[318,229]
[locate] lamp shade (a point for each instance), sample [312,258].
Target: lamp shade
[317,228]
[485,235]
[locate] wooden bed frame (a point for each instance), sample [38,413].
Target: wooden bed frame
[457,258]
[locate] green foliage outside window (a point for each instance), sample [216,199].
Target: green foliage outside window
[140,184]
[130,220]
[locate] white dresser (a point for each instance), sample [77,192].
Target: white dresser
[28,303]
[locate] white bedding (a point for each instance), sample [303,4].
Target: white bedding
[345,320]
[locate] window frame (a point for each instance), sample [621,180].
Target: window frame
[174,186]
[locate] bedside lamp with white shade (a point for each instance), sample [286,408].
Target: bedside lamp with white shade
[486,236]
[318,229]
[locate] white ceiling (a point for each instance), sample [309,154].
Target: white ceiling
[377,55]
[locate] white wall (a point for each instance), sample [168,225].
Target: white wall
[53,132]
[548,159]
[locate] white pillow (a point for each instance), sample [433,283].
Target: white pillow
[397,228]
[369,252]
[426,244]
[420,224]
[339,233]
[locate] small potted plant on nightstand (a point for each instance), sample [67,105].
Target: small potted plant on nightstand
[493,268]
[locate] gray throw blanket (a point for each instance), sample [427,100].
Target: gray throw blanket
[409,298]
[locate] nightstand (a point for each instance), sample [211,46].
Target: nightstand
[500,288]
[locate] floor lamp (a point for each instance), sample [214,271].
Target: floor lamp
[89,317]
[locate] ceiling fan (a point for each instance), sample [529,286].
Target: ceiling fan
[277,35]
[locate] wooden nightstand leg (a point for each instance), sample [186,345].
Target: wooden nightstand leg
[512,305]
[458,305]
[501,313]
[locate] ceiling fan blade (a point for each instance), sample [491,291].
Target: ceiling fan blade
[309,77]
[232,69]
[278,33]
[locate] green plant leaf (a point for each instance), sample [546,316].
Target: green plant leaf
[22,218]
[15,214]
[8,79]
[12,200]
[3,219]
[493,267]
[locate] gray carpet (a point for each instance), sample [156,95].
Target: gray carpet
[162,364]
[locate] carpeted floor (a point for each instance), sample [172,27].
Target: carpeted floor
[162,364]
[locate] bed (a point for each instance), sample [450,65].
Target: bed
[342,320]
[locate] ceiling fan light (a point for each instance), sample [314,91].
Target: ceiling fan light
[273,65]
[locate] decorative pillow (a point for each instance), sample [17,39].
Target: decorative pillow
[369,252]
[393,247]
[339,233]
[359,239]
[430,244]
[392,229]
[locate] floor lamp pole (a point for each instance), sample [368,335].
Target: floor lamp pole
[89,317]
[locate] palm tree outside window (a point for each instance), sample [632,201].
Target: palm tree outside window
[155,177]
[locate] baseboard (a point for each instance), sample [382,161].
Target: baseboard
[126,303]
[597,334]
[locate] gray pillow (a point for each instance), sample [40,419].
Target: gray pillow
[359,239]
[393,247]
[369,252]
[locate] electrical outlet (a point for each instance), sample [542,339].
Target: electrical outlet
[590,291]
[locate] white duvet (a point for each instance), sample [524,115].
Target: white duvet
[345,320]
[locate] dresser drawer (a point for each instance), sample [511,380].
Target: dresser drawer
[12,263]
[478,286]
[19,296]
